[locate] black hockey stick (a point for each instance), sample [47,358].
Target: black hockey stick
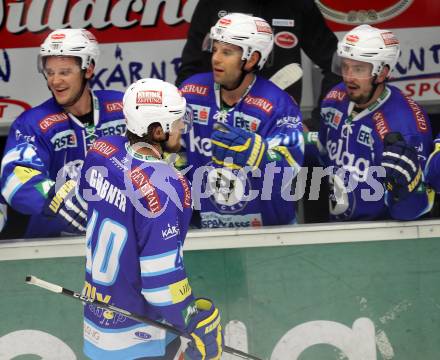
[33,280]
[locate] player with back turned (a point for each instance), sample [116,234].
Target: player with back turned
[139,208]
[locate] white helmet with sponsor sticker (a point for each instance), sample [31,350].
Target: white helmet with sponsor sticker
[152,100]
[372,45]
[80,43]
[248,32]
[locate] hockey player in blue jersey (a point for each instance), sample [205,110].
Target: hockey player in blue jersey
[246,145]
[50,141]
[373,139]
[139,209]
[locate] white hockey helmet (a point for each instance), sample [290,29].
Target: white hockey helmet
[80,43]
[152,100]
[372,45]
[248,32]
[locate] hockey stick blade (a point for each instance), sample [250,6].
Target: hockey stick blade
[287,76]
[43,284]
[33,280]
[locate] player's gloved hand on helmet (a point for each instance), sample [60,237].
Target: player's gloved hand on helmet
[206,331]
[241,147]
[402,167]
[66,205]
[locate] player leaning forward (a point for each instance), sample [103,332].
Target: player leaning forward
[247,132]
[372,135]
[139,208]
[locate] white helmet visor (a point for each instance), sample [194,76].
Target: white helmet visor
[352,69]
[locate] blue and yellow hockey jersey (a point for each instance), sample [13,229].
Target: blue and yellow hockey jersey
[230,197]
[44,143]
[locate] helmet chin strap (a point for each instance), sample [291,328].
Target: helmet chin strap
[374,86]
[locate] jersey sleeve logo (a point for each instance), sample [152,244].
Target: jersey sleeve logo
[186,191]
[195,89]
[336,95]
[260,103]
[142,182]
[421,122]
[381,124]
[52,120]
[103,148]
[111,107]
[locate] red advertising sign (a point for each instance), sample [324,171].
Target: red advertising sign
[344,15]
[26,23]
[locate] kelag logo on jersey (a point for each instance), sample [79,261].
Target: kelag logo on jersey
[64,139]
[358,165]
[246,122]
[200,114]
[199,144]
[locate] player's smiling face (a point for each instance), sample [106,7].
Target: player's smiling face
[64,78]
[358,79]
[226,63]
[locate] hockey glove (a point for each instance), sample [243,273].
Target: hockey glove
[432,167]
[402,167]
[238,147]
[206,331]
[66,205]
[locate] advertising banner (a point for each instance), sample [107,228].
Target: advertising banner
[417,26]
[138,39]
[349,301]
[145,38]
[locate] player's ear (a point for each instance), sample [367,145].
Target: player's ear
[90,70]
[158,134]
[383,74]
[253,61]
